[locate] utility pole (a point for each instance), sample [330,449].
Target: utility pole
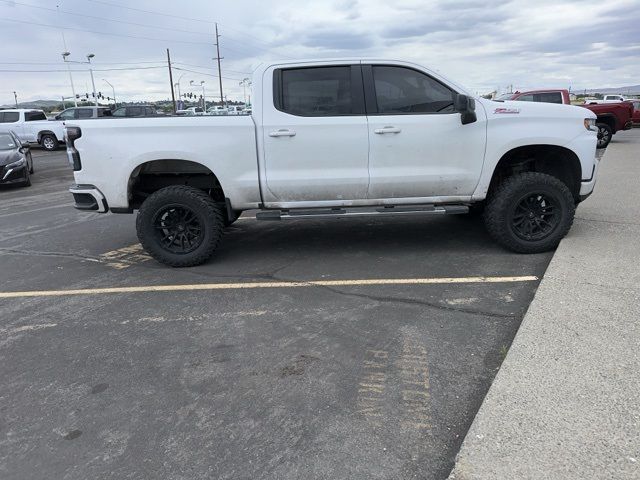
[15,95]
[173,95]
[218,58]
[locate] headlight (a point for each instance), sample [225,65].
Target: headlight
[590,124]
[19,163]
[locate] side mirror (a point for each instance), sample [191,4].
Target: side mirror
[467,108]
[57,117]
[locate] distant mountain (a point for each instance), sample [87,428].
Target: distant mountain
[34,104]
[629,90]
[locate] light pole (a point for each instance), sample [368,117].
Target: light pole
[177,84]
[73,90]
[204,98]
[89,57]
[246,82]
[115,104]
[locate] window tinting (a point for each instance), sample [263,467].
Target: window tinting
[317,92]
[403,90]
[9,117]
[526,98]
[549,97]
[85,113]
[68,114]
[104,112]
[7,142]
[31,116]
[135,112]
[120,112]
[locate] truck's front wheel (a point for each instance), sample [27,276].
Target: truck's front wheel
[530,212]
[604,134]
[180,226]
[49,142]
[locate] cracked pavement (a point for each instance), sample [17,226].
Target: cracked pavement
[361,381]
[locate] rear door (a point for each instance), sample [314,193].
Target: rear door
[315,135]
[418,145]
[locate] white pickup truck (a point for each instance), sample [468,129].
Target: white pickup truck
[32,126]
[609,99]
[336,139]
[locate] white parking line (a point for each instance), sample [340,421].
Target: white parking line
[251,285]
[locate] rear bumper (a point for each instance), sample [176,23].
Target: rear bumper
[88,197]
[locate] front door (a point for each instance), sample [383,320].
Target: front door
[418,145]
[315,136]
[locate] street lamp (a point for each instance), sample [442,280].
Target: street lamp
[177,84]
[93,83]
[73,90]
[204,98]
[115,104]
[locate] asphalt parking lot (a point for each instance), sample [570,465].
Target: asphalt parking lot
[239,373]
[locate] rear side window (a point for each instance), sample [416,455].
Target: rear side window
[525,98]
[134,111]
[32,116]
[85,113]
[315,92]
[401,90]
[548,97]
[9,117]
[104,112]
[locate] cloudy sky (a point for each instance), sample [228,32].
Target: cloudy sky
[484,45]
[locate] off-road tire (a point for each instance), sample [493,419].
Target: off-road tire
[49,142]
[605,133]
[208,213]
[499,215]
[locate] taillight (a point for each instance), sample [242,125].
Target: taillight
[71,135]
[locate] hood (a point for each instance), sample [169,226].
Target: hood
[9,156]
[514,108]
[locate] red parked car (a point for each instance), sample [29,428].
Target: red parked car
[636,113]
[612,117]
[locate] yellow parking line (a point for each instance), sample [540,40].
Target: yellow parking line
[249,285]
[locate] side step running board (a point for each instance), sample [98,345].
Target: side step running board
[362,211]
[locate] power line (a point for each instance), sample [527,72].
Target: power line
[103,33]
[149,11]
[202,73]
[204,66]
[67,12]
[58,63]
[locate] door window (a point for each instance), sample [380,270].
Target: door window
[120,112]
[85,113]
[33,116]
[525,98]
[548,97]
[9,117]
[134,112]
[316,92]
[401,90]
[68,114]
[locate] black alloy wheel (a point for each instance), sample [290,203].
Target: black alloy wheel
[604,135]
[178,229]
[535,217]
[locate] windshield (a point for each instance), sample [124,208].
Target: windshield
[7,142]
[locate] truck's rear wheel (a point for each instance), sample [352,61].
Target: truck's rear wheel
[530,212]
[180,226]
[49,142]
[604,134]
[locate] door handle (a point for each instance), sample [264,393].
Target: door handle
[383,130]
[283,132]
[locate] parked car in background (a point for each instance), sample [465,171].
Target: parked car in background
[217,110]
[195,110]
[83,112]
[609,99]
[135,111]
[16,163]
[235,110]
[32,126]
[184,113]
[546,96]
[612,117]
[333,139]
[636,113]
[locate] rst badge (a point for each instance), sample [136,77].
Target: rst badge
[506,110]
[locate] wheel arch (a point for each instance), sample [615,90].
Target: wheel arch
[152,175]
[555,160]
[607,119]
[42,133]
